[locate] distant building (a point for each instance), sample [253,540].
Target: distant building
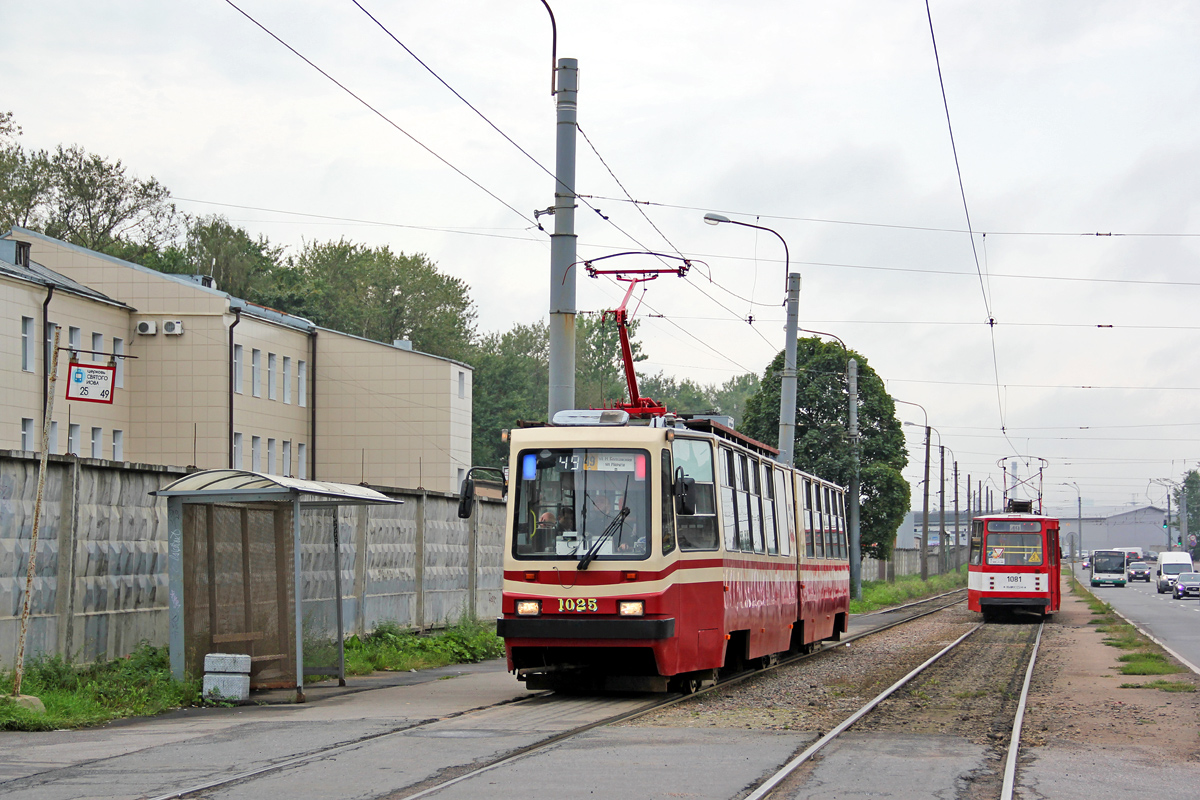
[214,381]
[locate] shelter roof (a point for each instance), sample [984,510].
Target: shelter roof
[232,485]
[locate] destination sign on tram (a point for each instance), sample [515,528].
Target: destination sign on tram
[92,383]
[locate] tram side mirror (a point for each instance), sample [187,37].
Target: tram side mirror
[466,500]
[685,494]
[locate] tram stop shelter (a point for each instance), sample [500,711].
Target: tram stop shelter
[239,547]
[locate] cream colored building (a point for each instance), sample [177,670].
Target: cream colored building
[214,381]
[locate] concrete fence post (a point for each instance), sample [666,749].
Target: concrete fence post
[64,602]
[419,563]
[362,522]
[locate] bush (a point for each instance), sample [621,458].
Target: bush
[881,594]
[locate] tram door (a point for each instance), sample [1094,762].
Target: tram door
[1054,577]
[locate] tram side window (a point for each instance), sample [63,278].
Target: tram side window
[976,557]
[754,498]
[818,523]
[768,506]
[785,512]
[728,507]
[808,518]
[667,505]
[697,532]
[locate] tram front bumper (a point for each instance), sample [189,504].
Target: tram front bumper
[583,628]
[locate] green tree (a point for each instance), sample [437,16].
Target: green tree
[511,382]
[1191,480]
[82,198]
[822,443]
[377,294]
[688,397]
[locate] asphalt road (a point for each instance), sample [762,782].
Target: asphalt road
[1176,623]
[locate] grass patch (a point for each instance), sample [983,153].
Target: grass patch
[881,594]
[141,684]
[390,647]
[1147,664]
[1162,686]
[137,685]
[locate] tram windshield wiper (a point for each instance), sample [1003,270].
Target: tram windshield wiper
[615,526]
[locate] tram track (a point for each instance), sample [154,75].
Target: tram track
[625,709]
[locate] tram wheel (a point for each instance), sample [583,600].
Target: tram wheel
[687,684]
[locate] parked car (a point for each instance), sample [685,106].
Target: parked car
[1187,585]
[1139,571]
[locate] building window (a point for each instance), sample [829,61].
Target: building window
[287,458]
[271,457]
[53,446]
[301,459]
[74,340]
[118,445]
[256,453]
[49,354]
[28,342]
[118,351]
[461,475]
[270,376]
[256,372]
[73,439]
[97,346]
[287,379]
[97,442]
[237,368]
[462,385]
[26,433]
[237,451]
[301,384]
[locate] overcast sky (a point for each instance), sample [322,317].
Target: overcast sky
[821,120]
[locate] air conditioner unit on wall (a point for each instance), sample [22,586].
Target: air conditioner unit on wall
[173,327]
[147,327]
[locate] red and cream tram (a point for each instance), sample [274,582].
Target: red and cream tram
[1014,564]
[650,556]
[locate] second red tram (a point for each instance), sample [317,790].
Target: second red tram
[1014,564]
[648,557]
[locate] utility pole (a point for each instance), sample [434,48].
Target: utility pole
[942,551]
[957,547]
[855,533]
[1167,522]
[925,513]
[562,244]
[1183,517]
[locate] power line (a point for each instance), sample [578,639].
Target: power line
[929,228]
[380,114]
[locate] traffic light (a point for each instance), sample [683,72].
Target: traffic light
[1164,522]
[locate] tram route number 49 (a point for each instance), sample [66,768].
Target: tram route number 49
[92,383]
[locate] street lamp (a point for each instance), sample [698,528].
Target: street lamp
[787,389]
[925,505]
[1078,510]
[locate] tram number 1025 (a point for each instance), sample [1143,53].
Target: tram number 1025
[577,604]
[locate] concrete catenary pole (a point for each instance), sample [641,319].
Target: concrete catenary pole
[562,244]
[925,512]
[855,533]
[943,551]
[1183,518]
[787,387]
[957,545]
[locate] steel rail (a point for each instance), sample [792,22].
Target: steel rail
[655,705]
[769,785]
[1014,741]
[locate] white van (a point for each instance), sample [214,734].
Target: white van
[1170,566]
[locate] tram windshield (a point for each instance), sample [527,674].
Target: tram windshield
[582,504]
[1014,549]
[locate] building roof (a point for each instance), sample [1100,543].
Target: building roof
[44,276]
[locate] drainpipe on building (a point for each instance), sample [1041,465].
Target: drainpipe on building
[45,340]
[237,317]
[312,404]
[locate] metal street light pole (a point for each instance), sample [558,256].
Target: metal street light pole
[925,504]
[787,389]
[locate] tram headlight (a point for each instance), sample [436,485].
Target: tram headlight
[529,608]
[632,608]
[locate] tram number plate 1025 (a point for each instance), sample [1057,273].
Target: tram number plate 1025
[577,605]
